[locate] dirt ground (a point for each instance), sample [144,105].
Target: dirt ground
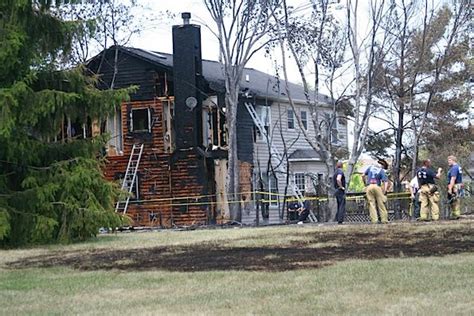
[317,249]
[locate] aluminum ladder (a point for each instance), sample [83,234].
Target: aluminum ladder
[130,176]
[278,158]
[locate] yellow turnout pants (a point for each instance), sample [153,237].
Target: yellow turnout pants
[456,204]
[429,202]
[376,199]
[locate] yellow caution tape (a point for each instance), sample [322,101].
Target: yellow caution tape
[289,198]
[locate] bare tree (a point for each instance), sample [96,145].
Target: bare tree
[117,24]
[101,24]
[311,41]
[397,80]
[365,69]
[318,47]
[241,27]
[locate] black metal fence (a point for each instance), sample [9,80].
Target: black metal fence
[357,211]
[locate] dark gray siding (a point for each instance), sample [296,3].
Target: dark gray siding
[131,71]
[244,134]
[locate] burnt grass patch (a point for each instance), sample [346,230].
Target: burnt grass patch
[316,249]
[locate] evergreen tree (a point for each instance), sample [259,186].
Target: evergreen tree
[51,183]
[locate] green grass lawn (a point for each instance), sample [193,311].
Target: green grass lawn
[200,272]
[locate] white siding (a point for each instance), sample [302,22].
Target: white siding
[294,138]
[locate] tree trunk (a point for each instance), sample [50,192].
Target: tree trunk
[233,172]
[398,149]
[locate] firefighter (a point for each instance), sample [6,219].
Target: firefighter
[373,177]
[455,187]
[429,194]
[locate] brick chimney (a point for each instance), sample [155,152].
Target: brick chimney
[187,76]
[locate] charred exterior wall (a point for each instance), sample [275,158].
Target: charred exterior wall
[166,181]
[184,185]
[130,71]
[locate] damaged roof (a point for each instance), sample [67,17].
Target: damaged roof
[259,84]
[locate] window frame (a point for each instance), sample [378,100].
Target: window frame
[335,138]
[332,131]
[264,115]
[290,118]
[300,181]
[148,130]
[304,120]
[136,188]
[273,188]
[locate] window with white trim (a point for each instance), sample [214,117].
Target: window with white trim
[300,182]
[263,113]
[140,120]
[304,119]
[332,124]
[272,184]
[291,119]
[269,183]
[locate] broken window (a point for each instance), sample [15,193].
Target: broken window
[135,190]
[168,132]
[163,86]
[114,128]
[77,128]
[220,127]
[214,129]
[135,193]
[291,119]
[140,120]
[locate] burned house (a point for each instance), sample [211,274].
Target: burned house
[169,142]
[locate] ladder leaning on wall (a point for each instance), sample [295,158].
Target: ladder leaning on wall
[130,177]
[278,158]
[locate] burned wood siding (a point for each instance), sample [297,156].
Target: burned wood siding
[130,71]
[244,134]
[166,181]
[189,189]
